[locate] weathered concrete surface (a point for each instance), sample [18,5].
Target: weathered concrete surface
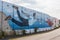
[53,35]
[4,24]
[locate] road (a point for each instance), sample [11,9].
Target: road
[52,35]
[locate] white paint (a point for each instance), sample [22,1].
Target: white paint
[51,7]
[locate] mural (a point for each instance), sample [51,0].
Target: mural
[21,18]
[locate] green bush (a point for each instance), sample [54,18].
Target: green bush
[1,34]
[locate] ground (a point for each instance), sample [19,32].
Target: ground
[52,35]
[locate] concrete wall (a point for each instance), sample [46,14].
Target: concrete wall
[4,26]
[8,10]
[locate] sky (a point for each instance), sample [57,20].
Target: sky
[50,7]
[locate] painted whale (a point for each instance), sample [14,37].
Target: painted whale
[24,18]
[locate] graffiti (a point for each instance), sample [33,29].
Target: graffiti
[21,18]
[49,22]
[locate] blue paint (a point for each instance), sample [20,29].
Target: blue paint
[9,10]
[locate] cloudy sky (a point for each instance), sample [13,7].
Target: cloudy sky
[51,7]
